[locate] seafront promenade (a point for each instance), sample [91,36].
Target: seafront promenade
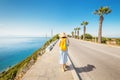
[90,61]
[47,67]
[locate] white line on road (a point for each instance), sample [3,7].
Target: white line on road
[105,52]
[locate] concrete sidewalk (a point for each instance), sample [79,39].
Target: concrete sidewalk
[47,67]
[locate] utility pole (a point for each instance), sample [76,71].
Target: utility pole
[51,32]
[46,36]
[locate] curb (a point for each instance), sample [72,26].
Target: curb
[74,72]
[51,46]
[116,46]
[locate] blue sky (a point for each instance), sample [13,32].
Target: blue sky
[39,17]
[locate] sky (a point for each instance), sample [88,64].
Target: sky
[36,18]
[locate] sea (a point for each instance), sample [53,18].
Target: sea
[15,49]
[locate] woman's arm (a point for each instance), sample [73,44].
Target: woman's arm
[68,42]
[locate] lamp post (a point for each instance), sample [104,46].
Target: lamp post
[51,32]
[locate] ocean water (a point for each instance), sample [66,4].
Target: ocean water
[14,50]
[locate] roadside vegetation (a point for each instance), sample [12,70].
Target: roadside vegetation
[98,39]
[16,72]
[104,40]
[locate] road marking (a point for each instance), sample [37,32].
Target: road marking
[108,53]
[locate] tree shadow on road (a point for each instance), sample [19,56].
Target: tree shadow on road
[87,68]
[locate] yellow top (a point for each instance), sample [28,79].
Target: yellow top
[62,44]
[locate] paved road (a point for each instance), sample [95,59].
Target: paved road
[95,61]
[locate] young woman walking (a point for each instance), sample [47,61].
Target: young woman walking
[63,46]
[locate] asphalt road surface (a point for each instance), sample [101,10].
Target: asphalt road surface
[95,61]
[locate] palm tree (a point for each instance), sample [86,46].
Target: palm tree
[72,33]
[78,28]
[84,23]
[75,32]
[101,11]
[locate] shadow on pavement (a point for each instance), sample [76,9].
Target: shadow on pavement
[87,68]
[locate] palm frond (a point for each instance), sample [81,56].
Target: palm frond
[84,23]
[103,10]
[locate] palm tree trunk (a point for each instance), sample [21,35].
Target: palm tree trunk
[84,32]
[75,34]
[78,34]
[72,34]
[100,29]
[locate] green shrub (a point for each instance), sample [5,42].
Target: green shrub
[103,40]
[87,36]
[108,39]
[118,41]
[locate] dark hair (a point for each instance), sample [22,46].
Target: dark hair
[64,37]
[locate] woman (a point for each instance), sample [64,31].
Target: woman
[63,46]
